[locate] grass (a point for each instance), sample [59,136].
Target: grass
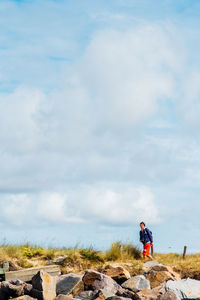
[79,259]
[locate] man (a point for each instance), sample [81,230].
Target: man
[146,239]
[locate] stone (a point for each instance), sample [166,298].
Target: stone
[27,289]
[185,288]
[44,286]
[117,272]
[99,296]
[69,284]
[86,295]
[12,288]
[158,277]
[136,283]
[147,294]
[125,293]
[169,295]
[119,298]
[95,281]
[63,297]
[25,297]
[149,264]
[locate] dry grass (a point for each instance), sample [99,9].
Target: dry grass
[78,259]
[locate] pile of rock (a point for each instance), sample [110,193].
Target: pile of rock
[158,282]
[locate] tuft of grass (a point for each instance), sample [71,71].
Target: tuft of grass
[119,251]
[91,255]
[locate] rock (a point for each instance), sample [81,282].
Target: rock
[125,293]
[169,295]
[99,296]
[147,294]
[119,298]
[27,289]
[25,297]
[160,289]
[117,272]
[58,261]
[136,283]
[185,288]
[86,295]
[95,281]
[69,284]
[44,286]
[63,297]
[149,264]
[12,288]
[158,277]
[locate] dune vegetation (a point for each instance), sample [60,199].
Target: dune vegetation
[79,259]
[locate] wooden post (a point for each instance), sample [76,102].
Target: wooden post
[151,250]
[184,251]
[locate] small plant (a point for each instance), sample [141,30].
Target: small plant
[91,255]
[30,252]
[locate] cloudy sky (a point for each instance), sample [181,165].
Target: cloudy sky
[99,122]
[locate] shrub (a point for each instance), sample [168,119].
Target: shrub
[91,255]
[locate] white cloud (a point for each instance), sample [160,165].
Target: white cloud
[16,209]
[128,73]
[128,206]
[54,207]
[19,130]
[97,204]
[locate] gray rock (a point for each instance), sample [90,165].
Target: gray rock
[147,266]
[44,286]
[136,283]
[69,284]
[185,288]
[169,295]
[95,281]
[86,295]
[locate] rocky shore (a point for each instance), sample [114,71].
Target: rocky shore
[158,282]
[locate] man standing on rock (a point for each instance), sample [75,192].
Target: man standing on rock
[146,239]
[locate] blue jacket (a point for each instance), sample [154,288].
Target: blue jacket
[146,236]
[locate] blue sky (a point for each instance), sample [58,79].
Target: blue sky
[99,112]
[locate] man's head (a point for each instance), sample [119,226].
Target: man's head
[142,225]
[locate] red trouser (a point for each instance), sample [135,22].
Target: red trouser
[146,249]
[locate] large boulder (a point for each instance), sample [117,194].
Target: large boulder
[185,288]
[136,283]
[149,264]
[12,288]
[160,274]
[94,280]
[117,272]
[44,286]
[69,284]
